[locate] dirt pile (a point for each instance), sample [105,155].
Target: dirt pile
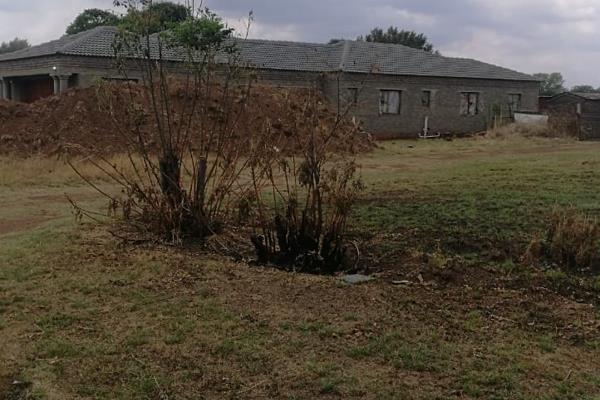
[75,122]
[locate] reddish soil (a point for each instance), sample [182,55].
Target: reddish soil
[79,120]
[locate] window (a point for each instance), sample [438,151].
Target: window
[514,102]
[426,98]
[389,102]
[469,103]
[352,96]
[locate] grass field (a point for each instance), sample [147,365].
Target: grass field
[83,316]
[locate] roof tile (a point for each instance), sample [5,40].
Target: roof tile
[347,56]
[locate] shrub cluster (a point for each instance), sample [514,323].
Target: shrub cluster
[572,242]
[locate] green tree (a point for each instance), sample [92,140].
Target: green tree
[551,84]
[13,45]
[156,16]
[585,89]
[396,36]
[92,18]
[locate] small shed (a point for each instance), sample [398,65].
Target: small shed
[544,101]
[577,114]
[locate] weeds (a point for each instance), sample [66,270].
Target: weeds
[312,196]
[572,242]
[182,178]
[202,162]
[536,130]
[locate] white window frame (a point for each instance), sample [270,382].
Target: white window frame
[385,108]
[429,99]
[472,107]
[511,103]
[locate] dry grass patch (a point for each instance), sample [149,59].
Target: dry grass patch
[85,316]
[572,242]
[49,171]
[533,130]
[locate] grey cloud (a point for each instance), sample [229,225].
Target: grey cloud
[528,35]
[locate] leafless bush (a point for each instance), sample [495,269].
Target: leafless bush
[181,179]
[302,217]
[286,178]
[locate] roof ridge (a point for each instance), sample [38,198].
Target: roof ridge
[344,56]
[81,37]
[281,41]
[345,52]
[397,45]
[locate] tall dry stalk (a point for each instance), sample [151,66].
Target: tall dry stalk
[178,111]
[302,219]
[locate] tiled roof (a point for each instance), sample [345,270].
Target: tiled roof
[94,42]
[578,95]
[588,96]
[290,56]
[347,56]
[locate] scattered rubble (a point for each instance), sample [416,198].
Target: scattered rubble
[356,279]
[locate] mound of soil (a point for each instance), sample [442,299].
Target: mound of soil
[77,121]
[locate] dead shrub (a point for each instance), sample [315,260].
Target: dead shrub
[181,180]
[534,130]
[302,217]
[572,242]
[534,251]
[208,163]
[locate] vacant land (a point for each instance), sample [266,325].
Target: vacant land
[452,313]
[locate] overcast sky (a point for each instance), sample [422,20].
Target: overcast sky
[526,35]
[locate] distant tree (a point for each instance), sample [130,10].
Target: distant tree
[585,89]
[394,35]
[92,18]
[13,45]
[157,16]
[552,83]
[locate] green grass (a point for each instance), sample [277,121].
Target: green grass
[85,316]
[426,353]
[547,344]
[453,200]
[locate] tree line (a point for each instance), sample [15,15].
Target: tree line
[157,17]
[554,83]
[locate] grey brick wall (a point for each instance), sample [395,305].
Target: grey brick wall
[443,112]
[563,112]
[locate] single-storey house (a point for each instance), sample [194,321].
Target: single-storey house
[396,91]
[577,114]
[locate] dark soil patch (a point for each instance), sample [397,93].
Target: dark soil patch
[11,387]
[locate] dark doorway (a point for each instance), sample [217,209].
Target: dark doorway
[33,88]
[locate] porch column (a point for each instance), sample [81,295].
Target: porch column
[56,84]
[14,93]
[63,82]
[4,88]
